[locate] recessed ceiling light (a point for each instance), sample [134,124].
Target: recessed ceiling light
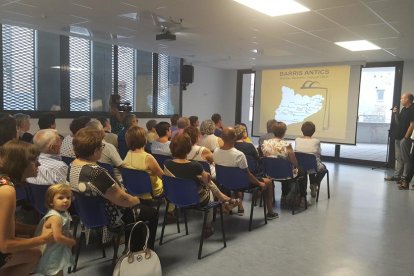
[358,45]
[254,51]
[275,7]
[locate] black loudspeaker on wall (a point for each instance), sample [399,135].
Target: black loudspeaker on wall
[187,74]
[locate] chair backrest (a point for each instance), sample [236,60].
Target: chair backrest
[277,168]
[205,165]
[20,192]
[232,178]
[91,210]
[107,167]
[37,194]
[161,159]
[67,159]
[251,163]
[137,182]
[307,161]
[181,192]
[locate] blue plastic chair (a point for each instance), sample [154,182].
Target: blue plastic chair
[67,159]
[20,192]
[279,169]
[138,182]
[205,165]
[37,195]
[236,179]
[308,162]
[161,159]
[107,167]
[91,211]
[183,193]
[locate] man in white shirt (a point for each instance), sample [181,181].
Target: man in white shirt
[52,169]
[162,144]
[229,156]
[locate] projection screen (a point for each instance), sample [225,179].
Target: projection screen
[325,95]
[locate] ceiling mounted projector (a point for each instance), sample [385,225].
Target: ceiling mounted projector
[165,36]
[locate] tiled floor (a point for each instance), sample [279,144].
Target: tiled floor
[363,151]
[364,229]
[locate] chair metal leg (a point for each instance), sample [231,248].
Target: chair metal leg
[79,244]
[177,214]
[115,241]
[327,182]
[222,225]
[251,209]
[264,208]
[163,223]
[317,192]
[185,221]
[102,244]
[200,248]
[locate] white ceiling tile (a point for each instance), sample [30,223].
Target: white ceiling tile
[352,15]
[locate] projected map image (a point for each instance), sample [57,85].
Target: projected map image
[295,106]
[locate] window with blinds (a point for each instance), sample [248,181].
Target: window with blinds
[51,72]
[126,75]
[168,100]
[18,68]
[80,74]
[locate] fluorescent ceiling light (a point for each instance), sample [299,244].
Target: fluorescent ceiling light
[79,30]
[68,68]
[358,45]
[274,7]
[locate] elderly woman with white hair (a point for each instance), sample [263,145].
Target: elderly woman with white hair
[208,139]
[23,126]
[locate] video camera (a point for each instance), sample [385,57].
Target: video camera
[124,106]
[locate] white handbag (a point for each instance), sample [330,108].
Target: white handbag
[141,263]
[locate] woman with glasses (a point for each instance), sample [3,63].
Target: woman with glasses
[86,177]
[17,256]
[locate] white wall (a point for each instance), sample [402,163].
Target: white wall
[213,91]
[408,77]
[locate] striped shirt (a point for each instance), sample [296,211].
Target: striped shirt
[52,170]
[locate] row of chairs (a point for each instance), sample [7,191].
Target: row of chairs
[183,192]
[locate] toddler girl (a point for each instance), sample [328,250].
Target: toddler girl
[58,255]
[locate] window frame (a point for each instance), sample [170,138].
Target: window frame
[65,86]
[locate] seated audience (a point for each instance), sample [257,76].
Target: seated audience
[137,158]
[52,169]
[194,121]
[307,144]
[228,156]
[182,123]
[110,137]
[189,169]
[8,128]
[246,137]
[67,145]
[174,119]
[18,256]
[199,153]
[129,121]
[269,135]
[151,132]
[208,139]
[47,120]
[279,148]
[242,145]
[116,117]
[109,153]
[216,118]
[161,145]
[23,126]
[86,177]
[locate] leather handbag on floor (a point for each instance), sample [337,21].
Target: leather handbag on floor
[141,263]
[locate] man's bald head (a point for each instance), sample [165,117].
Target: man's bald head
[228,135]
